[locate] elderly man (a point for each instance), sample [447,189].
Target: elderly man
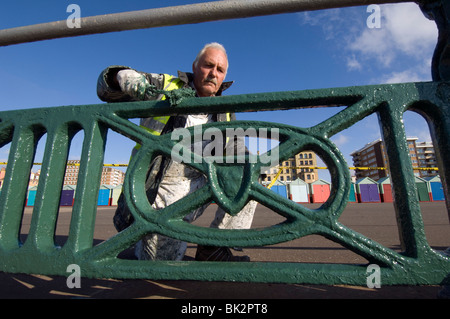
[168,181]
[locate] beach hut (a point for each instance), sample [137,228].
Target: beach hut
[319,191]
[115,193]
[422,189]
[31,196]
[67,195]
[352,194]
[437,191]
[385,188]
[367,190]
[104,195]
[279,188]
[298,191]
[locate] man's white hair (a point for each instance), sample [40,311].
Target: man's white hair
[213,45]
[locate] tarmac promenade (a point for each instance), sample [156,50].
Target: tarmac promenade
[374,220]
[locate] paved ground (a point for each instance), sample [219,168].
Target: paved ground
[376,221]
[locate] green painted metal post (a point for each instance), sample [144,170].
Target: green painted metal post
[43,224]
[85,206]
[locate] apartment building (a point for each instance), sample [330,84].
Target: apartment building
[373,156]
[110,175]
[426,158]
[299,166]
[72,169]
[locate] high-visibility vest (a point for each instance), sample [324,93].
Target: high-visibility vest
[155,125]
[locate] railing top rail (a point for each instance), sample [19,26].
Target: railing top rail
[175,15]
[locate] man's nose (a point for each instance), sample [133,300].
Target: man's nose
[213,72]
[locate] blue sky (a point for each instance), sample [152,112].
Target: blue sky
[298,51]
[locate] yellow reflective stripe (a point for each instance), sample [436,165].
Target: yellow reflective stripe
[161,119]
[167,81]
[150,130]
[172,83]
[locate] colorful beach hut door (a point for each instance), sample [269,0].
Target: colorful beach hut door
[103,196]
[385,189]
[437,191]
[352,195]
[280,189]
[31,196]
[367,190]
[422,190]
[67,196]
[320,191]
[115,193]
[299,191]
[369,193]
[387,193]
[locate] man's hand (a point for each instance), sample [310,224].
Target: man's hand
[133,83]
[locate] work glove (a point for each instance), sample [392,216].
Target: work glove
[134,84]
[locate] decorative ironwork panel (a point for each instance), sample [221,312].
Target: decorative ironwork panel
[418,263]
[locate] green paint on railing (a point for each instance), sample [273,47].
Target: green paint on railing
[418,263]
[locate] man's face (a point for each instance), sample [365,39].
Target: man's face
[210,72]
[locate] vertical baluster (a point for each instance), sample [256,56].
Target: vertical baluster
[14,191]
[88,185]
[441,141]
[409,217]
[45,212]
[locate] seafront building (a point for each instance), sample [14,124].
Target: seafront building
[373,156]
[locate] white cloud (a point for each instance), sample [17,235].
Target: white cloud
[405,34]
[411,32]
[402,77]
[373,44]
[404,31]
[340,140]
[400,50]
[353,63]
[331,21]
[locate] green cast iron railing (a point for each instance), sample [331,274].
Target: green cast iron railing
[418,263]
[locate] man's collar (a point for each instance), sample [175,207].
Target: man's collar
[188,78]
